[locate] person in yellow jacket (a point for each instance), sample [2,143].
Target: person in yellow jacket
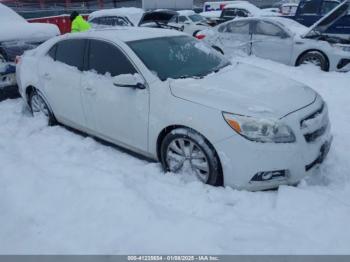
[78,23]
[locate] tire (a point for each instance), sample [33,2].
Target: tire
[39,107]
[218,49]
[202,160]
[316,58]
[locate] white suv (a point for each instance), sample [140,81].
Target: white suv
[169,97]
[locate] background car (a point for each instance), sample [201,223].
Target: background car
[126,16]
[167,96]
[289,9]
[282,40]
[16,36]
[191,22]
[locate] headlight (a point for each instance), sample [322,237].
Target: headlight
[260,130]
[345,48]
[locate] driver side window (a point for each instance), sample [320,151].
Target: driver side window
[268,29]
[106,58]
[238,27]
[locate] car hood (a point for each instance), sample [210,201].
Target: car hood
[246,90]
[158,16]
[329,19]
[27,31]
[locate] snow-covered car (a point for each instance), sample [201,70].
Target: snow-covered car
[283,40]
[16,36]
[289,9]
[160,18]
[167,96]
[191,22]
[244,9]
[126,16]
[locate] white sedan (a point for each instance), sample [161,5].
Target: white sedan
[167,96]
[191,22]
[283,40]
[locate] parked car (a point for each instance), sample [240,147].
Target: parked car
[241,9]
[126,16]
[191,22]
[282,40]
[169,97]
[310,11]
[130,16]
[289,9]
[16,36]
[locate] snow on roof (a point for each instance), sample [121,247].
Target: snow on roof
[211,14]
[186,12]
[7,15]
[245,5]
[132,13]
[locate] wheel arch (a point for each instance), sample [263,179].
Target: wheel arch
[218,49]
[170,128]
[313,50]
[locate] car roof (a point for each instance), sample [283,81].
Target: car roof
[127,34]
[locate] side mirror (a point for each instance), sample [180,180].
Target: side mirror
[129,80]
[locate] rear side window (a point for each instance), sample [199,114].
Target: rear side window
[113,21]
[107,58]
[71,52]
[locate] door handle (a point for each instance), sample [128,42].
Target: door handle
[90,89]
[47,76]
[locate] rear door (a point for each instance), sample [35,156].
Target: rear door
[271,41]
[118,114]
[60,72]
[235,37]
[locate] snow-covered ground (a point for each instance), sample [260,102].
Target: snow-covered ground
[61,192]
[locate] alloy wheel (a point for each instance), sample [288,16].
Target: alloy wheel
[183,153]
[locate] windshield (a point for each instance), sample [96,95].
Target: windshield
[178,57]
[196,18]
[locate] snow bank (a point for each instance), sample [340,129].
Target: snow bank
[65,193]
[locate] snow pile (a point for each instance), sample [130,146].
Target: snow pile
[65,193]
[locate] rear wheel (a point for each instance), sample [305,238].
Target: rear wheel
[184,150]
[40,108]
[316,58]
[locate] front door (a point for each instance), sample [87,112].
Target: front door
[118,114]
[270,41]
[235,37]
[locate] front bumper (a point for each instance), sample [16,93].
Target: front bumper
[243,161]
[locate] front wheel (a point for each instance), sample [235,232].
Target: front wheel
[316,58]
[40,108]
[184,150]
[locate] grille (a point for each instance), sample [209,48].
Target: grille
[315,125]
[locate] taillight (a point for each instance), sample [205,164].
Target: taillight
[18,59]
[200,36]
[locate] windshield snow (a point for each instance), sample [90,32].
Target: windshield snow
[178,57]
